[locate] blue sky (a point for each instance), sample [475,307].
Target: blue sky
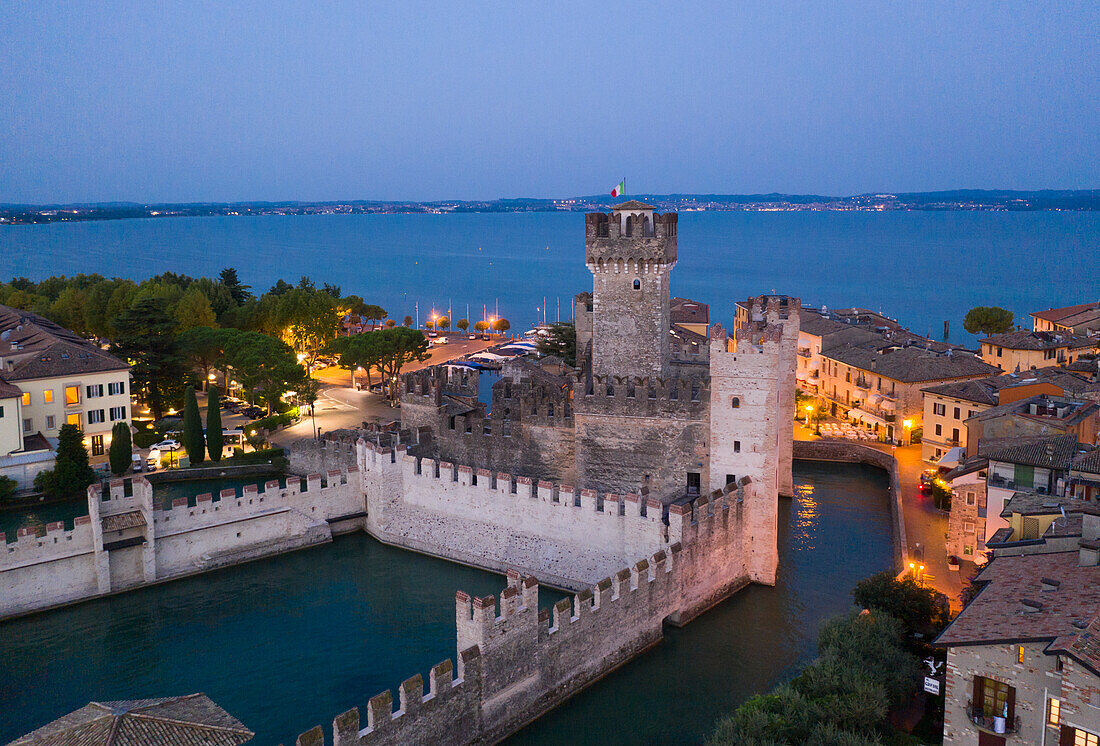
[149,101]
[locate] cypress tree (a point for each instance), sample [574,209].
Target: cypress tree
[214,440]
[121,449]
[71,474]
[192,428]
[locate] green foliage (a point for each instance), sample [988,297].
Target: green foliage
[562,342]
[841,699]
[502,325]
[941,495]
[481,326]
[266,367]
[397,347]
[408,321]
[71,475]
[462,324]
[146,337]
[146,438]
[194,309]
[121,452]
[272,421]
[239,292]
[215,440]
[193,441]
[275,456]
[443,323]
[7,488]
[988,320]
[307,319]
[916,607]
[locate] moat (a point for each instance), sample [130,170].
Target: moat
[289,642]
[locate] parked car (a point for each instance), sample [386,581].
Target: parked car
[472,336]
[253,412]
[929,475]
[167,445]
[441,341]
[136,462]
[433,334]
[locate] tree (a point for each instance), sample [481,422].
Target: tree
[7,488]
[215,441]
[988,320]
[429,325]
[397,348]
[391,323]
[916,607]
[145,336]
[333,290]
[121,453]
[374,313]
[443,323]
[361,351]
[408,321]
[239,291]
[204,347]
[481,326]
[71,474]
[463,324]
[308,390]
[561,341]
[193,441]
[194,309]
[308,320]
[502,325]
[265,367]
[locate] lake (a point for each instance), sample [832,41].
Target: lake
[920,267]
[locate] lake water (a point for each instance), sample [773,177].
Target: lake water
[292,641]
[920,267]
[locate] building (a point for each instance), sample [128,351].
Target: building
[966,524]
[1017,351]
[948,406]
[690,315]
[1084,476]
[881,385]
[1023,657]
[1039,523]
[1036,416]
[1082,319]
[62,378]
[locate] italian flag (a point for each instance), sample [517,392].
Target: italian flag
[620,189]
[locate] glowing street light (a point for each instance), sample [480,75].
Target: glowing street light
[907,424]
[809,411]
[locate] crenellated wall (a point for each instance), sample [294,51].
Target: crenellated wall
[126,542]
[516,662]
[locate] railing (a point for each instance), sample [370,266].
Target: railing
[804,352]
[989,724]
[997,480]
[863,383]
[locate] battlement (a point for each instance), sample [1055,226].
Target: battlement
[439,379]
[27,547]
[640,223]
[641,395]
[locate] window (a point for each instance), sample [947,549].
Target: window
[1019,653]
[848,376]
[971,498]
[95,390]
[28,425]
[1,412]
[735,402]
[97,445]
[737,446]
[968,550]
[637,284]
[970,413]
[1054,711]
[73,419]
[731,479]
[1000,351]
[26,398]
[118,413]
[939,429]
[1080,737]
[955,434]
[95,416]
[51,422]
[958,412]
[47,396]
[114,389]
[693,482]
[940,409]
[72,395]
[968,527]
[995,697]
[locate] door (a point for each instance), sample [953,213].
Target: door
[693,482]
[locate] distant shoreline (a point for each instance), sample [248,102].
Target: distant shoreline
[956,200]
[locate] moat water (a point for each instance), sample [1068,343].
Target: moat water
[290,642]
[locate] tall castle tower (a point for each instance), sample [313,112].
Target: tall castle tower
[630,253]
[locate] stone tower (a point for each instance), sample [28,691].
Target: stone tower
[630,252]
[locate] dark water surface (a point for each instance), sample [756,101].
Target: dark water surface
[290,642]
[919,267]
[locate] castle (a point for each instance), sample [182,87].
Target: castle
[645,480]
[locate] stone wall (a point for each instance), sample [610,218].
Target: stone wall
[516,662]
[317,456]
[125,542]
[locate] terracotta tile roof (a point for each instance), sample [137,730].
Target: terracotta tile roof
[1088,462]
[33,347]
[910,364]
[1057,314]
[1049,452]
[192,720]
[1025,340]
[120,521]
[998,613]
[633,204]
[985,390]
[9,390]
[1032,503]
[685,311]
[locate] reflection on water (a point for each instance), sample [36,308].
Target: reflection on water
[290,642]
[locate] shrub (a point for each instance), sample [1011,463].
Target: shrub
[917,607]
[120,454]
[7,488]
[146,438]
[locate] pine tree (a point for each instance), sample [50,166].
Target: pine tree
[214,440]
[122,448]
[71,474]
[192,428]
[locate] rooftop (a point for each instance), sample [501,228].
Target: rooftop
[1048,452]
[1025,340]
[1056,315]
[633,204]
[910,364]
[1088,462]
[999,613]
[985,390]
[32,346]
[685,311]
[9,390]
[1032,503]
[192,720]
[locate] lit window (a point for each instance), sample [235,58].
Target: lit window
[72,395]
[26,398]
[1019,653]
[73,419]
[1084,738]
[1054,711]
[47,396]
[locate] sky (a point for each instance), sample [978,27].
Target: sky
[222,101]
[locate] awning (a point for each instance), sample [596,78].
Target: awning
[952,458]
[862,415]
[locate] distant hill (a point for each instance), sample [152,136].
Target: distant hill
[955,199]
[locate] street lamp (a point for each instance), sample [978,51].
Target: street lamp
[809,411]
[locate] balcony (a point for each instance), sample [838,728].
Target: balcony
[997,480]
[996,726]
[863,383]
[804,352]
